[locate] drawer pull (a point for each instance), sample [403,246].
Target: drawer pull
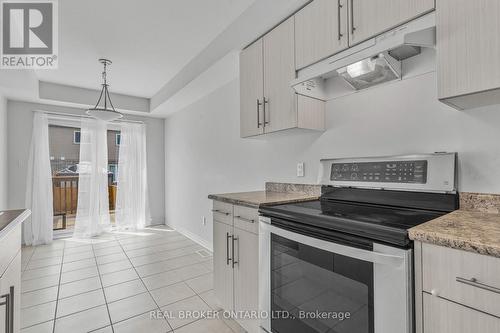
[220,212]
[245,219]
[473,282]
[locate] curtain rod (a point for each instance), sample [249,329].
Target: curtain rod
[85,116]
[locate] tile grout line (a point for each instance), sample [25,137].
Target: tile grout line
[147,290]
[90,277]
[102,288]
[118,244]
[58,290]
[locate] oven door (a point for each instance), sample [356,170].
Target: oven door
[345,285]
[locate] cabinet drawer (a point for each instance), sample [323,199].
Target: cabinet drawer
[246,218]
[464,277]
[223,212]
[442,316]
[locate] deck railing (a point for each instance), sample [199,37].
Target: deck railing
[65,196]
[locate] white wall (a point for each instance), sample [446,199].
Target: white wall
[20,123]
[3,153]
[204,153]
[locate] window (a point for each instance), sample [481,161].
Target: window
[76,137]
[113,169]
[117,139]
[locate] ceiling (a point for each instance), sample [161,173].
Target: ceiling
[149,41]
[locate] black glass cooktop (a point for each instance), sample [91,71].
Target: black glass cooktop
[380,219]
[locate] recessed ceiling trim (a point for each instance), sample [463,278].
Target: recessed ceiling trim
[86,97]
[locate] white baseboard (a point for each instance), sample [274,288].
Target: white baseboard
[203,242]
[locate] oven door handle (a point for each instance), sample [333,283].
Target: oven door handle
[348,251]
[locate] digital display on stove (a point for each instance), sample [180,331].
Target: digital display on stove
[410,172]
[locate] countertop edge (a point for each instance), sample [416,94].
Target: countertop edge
[433,238]
[19,219]
[233,201]
[258,205]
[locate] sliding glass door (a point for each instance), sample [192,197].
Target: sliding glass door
[64,142]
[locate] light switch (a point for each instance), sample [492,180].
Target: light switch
[300,169]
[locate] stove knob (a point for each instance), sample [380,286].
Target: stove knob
[435,292]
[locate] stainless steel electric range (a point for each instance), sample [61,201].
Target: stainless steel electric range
[343,264]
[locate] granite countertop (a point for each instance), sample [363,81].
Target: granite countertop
[257,199]
[468,230]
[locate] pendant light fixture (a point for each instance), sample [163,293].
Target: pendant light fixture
[106,111]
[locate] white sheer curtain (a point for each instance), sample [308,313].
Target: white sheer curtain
[92,216]
[132,208]
[38,228]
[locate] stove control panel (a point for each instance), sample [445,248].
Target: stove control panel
[410,172]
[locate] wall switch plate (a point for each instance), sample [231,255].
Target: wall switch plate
[300,169]
[204,220]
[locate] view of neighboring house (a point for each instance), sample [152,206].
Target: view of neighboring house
[64,146]
[65,150]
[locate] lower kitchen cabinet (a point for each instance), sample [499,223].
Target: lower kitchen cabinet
[10,281]
[246,276]
[456,291]
[442,316]
[223,271]
[236,261]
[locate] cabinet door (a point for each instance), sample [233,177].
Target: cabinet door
[279,70]
[11,278]
[320,31]
[442,316]
[369,18]
[251,90]
[223,270]
[468,46]
[246,276]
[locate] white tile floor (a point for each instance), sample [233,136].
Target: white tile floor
[111,283]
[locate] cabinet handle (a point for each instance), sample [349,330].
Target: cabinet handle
[474,283]
[220,212]
[266,102]
[353,28]
[9,310]
[234,261]
[340,6]
[245,219]
[227,248]
[259,103]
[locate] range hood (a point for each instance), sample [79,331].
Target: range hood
[370,63]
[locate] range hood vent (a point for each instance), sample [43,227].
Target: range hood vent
[371,71]
[368,64]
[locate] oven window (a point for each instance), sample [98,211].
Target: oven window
[317,291]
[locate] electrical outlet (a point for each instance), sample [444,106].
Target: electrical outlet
[300,169]
[203,220]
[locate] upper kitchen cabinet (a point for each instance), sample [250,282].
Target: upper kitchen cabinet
[320,31]
[468,52]
[368,18]
[268,102]
[280,109]
[251,90]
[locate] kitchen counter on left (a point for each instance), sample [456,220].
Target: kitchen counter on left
[11,218]
[256,199]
